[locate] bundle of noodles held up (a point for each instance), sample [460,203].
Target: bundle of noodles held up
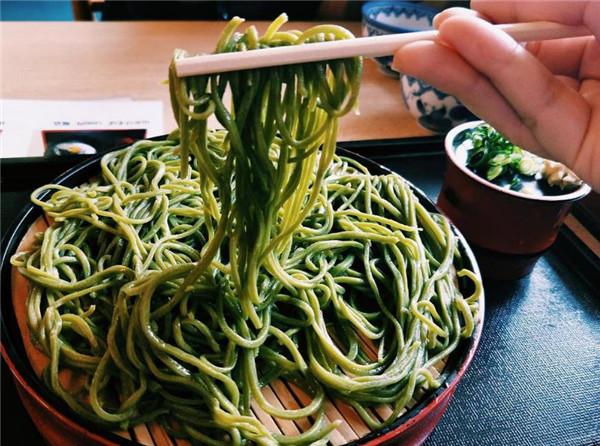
[193,272]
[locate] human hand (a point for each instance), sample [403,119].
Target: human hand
[544,96]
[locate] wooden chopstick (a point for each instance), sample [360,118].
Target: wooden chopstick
[375,46]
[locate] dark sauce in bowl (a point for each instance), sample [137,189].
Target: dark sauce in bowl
[508,229]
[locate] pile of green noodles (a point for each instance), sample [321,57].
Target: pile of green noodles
[192,272]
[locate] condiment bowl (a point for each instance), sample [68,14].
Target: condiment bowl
[380,18]
[434,110]
[508,230]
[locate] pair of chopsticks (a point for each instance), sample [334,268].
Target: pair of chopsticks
[375,46]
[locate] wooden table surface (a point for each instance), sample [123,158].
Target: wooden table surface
[95,60]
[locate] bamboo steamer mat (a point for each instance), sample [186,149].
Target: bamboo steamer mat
[279,393]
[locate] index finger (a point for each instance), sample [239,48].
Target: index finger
[573,12]
[541,100]
[562,57]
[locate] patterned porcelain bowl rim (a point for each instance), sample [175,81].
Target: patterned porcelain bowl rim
[578,193]
[368,8]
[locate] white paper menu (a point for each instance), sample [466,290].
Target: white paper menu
[24,123]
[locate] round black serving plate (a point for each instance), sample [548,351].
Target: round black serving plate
[411,428]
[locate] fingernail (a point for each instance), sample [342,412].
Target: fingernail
[395,62]
[436,19]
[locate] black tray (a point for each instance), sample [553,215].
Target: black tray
[535,379]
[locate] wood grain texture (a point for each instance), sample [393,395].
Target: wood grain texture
[92,60]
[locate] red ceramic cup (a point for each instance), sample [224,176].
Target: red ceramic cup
[507,230]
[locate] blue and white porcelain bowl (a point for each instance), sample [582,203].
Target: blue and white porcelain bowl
[379,18]
[434,109]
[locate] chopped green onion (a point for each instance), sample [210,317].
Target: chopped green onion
[500,160]
[494,172]
[495,158]
[529,166]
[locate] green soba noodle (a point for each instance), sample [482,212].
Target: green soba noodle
[194,271]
